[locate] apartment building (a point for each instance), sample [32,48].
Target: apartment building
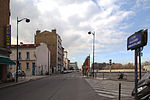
[54,43]
[33,58]
[5,38]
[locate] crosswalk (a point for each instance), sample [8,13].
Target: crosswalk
[107,89]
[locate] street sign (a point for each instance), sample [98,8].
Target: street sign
[135,42]
[138,39]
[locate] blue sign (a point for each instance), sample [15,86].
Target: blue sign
[134,41]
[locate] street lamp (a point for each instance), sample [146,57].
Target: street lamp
[27,20]
[93,33]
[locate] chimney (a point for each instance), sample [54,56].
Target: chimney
[38,31]
[54,30]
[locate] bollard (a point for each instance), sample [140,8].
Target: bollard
[119,91]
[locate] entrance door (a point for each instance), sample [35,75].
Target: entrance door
[33,68]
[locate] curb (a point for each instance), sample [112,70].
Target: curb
[9,85]
[22,82]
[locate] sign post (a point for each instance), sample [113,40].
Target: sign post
[136,73]
[135,42]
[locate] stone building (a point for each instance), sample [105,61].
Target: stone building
[54,43]
[5,38]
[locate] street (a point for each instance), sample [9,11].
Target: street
[70,86]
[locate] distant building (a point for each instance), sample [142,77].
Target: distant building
[146,67]
[73,65]
[100,65]
[54,43]
[66,63]
[62,61]
[86,66]
[5,38]
[33,58]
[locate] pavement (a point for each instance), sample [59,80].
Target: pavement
[71,86]
[21,80]
[68,86]
[110,88]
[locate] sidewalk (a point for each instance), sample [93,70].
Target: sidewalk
[21,80]
[110,88]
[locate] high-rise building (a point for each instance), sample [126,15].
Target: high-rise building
[54,43]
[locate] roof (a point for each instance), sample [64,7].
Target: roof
[25,46]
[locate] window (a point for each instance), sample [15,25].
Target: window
[10,67]
[33,64]
[27,65]
[28,55]
[19,55]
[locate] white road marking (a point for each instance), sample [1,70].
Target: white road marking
[111,92]
[105,95]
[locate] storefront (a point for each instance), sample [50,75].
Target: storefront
[4,62]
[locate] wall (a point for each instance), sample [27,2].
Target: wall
[42,59]
[50,38]
[4,20]
[23,61]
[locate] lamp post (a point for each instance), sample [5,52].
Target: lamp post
[27,20]
[93,33]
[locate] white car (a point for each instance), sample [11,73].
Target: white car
[20,73]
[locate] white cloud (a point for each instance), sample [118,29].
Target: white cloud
[73,19]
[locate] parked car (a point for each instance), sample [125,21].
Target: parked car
[10,77]
[143,89]
[20,73]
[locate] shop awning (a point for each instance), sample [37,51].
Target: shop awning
[6,60]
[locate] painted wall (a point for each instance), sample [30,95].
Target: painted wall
[23,61]
[42,54]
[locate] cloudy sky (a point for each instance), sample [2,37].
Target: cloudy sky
[111,20]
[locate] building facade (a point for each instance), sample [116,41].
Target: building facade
[4,44]
[43,60]
[73,65]
[86,66]
[33,58]
[54,43]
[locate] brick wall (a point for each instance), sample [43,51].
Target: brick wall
[50,38]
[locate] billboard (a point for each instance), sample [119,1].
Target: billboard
[8,36]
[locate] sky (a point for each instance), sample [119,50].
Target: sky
[113,21]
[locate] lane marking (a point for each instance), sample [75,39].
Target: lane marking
[113,93]
[105,95]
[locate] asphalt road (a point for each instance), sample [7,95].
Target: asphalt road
[70,86]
